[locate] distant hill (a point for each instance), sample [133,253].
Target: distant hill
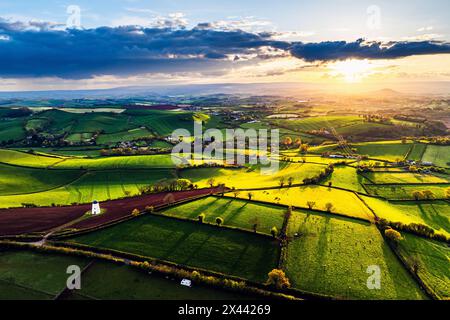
[386,93]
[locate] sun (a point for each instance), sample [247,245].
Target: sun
[352,70]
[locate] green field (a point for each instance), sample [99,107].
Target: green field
[404,177]
[27,159]
[438,155]
[11,130]
[431,260]
[417,151]
[160,144]
[236,213]
[252,177]
[20,180]
[79,137]
[218,249]
[317,123]
[31,275]
[386,150]
[347,178]
[109,281]
[128,135]
[405,191]
[344,202]
[331,256]
[433,213]
[98,185]
[119,162]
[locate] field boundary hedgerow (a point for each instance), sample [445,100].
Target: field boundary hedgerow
[203,276]
[66,290]
[425,288]
[336,214]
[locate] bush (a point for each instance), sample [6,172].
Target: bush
[201,217]
[274,231]
[278,279]
[311,204]
[328,206]
[393,235]
[219,221]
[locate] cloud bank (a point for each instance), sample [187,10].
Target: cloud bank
[41,49]
[360,49]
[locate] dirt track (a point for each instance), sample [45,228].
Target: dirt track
[26,220]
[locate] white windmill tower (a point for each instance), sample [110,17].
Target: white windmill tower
[95,207]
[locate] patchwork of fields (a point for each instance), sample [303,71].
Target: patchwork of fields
[324,236]
[188,243]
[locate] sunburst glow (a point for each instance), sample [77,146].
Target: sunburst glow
[352,70]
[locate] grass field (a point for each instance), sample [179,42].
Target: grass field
[26,159]
[17,180]
[404,177]
[347,178]
[252,177]
[417,151]
[109,281]
[438,155]
[79,137]
[128,135]
[331,257]
[344,202]
[98,185]
[405,191]
[236,213]
[434,214]
[432,260]
[317,123]
[12,130]
[219,249]
[386,150]
[32,275]
[359,129]
[160,144]
[119,162]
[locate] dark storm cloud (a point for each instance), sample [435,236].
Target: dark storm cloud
[341,50]
[35,52]
[45,50]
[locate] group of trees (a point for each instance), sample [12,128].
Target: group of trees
[282,181]
[415,228]
[288,143]
[319,177]
[377,118]
[423,195]
[168,185]
[328,206]
[419,169]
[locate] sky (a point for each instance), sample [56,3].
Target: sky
[79,44]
